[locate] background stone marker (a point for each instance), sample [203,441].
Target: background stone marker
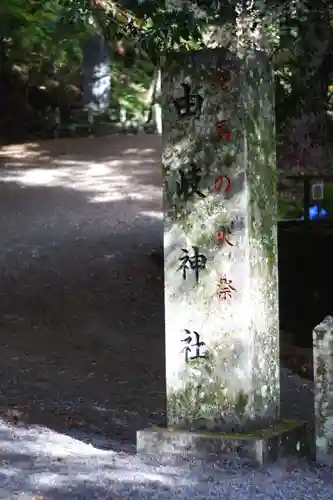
[96,75]
[323,386]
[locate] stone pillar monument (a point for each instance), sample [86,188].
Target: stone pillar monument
[96,75]
[220,249]
[221,286]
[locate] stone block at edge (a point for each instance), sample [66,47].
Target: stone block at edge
[286,439]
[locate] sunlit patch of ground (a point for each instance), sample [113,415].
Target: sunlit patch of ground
[40,464]
[98,167]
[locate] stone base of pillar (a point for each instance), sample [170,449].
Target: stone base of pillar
[283,440]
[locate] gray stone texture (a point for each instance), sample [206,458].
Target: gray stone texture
[232,302]
[268,445]
[323,387]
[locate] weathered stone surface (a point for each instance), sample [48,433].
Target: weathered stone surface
[323,385]
[96,75]
[236,386]
[287,439]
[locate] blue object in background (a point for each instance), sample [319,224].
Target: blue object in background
[315,214]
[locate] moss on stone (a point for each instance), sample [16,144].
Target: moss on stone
[279,427]
[203,395]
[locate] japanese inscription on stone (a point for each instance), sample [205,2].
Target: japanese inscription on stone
[220,285]
[188,185]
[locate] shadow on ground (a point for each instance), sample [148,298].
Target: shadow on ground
[81,309]
[41,462]
[82,306]
[37,461]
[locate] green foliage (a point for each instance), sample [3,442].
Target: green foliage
[40,31]
[328,198]
[290,208]
[129,86]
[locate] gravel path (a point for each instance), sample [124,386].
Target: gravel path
[82,347]
[57,467]
[81,309]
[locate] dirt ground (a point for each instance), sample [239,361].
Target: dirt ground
[81,309]
[81,301]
